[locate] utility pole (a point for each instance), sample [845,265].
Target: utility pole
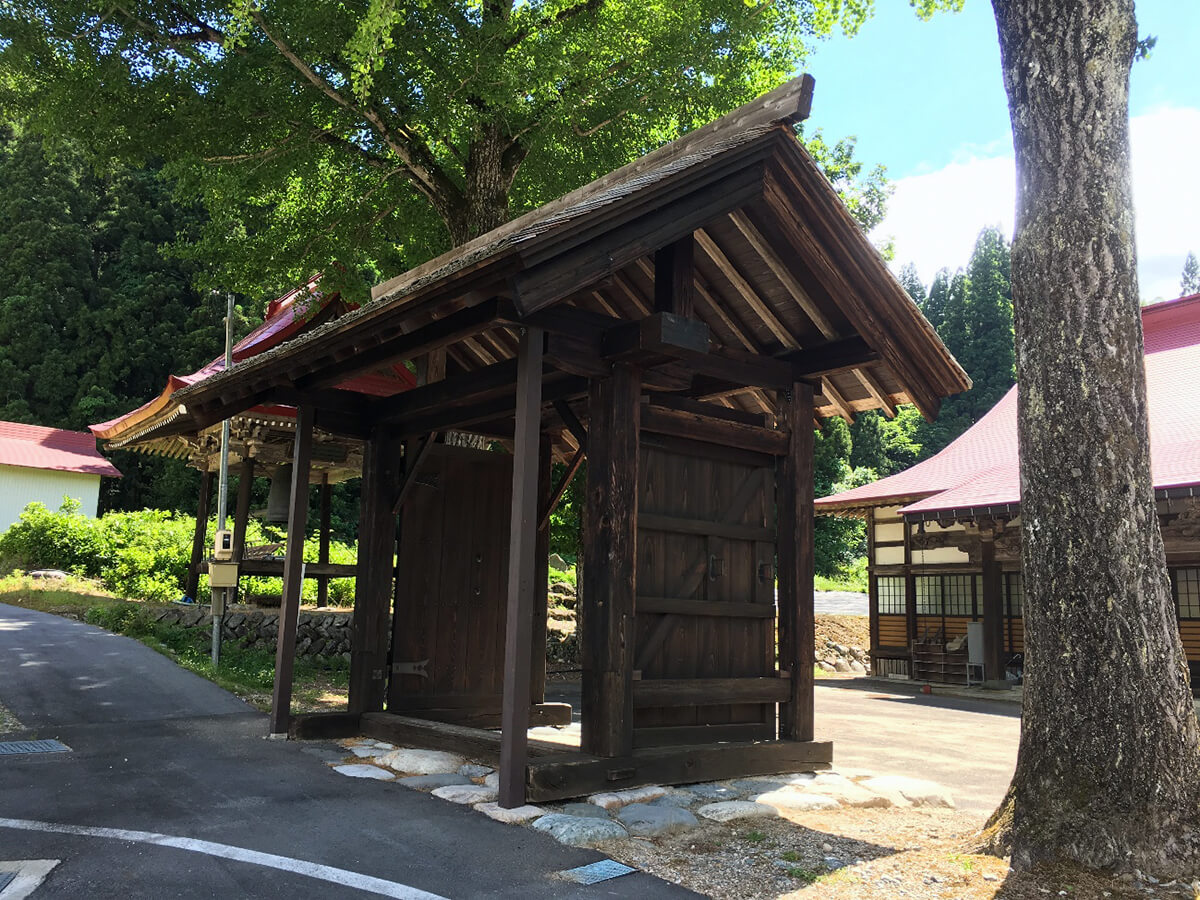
[218,606]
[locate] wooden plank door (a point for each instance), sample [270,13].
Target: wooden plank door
[448,630]
[706,596]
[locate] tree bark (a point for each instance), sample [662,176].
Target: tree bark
[1108,767]
[492,164]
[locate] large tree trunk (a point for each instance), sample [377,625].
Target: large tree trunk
[492,163]
[1108,770]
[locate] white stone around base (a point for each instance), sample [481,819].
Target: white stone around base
[905,791]
[796,801]
[361,770]
[422,762]
[615,799]
[518,815]
[576,831]
[729,810]
[466,793]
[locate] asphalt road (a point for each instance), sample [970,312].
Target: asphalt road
[966,744]
[157,750]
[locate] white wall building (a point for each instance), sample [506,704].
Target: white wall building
[47,464]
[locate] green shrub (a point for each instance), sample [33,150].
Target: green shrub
[66,540]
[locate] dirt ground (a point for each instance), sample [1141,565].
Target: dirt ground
[853,631]
[861,854]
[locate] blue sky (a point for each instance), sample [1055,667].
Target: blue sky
[926,100]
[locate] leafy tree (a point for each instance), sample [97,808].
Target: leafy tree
[1108,768]
[378,134]
[1189,279]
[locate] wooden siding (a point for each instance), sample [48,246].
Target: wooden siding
[1189,630]
[893,631]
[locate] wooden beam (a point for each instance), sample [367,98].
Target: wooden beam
[687,424]
[323,538]
[610,570]
[556,494]
[199,534]
[661,333]
[555,777]
[474,743]
[293,566]
[781,271]
[726,609]
[455,391]
[830,393]
[373,579]
[745,290]
[522,569]
[709,691]
[541,575]
[828,359]
[675,277]
[563,408]
[708,410]
[876,389]
[794,551]
[411,467]
[431,367]
[324,726]
[993,611]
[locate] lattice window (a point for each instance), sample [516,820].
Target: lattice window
[1187,592]
[956,589]
[889,590]
[929,595]
[1014,594]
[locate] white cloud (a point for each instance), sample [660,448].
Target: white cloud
[934,218]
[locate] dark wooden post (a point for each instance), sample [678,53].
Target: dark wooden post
[795,549]
[610,551]
[910,587]
[375,571]
[674,279]
[872,589]
[541,578]
[993,611]
[323,557]
[293,571]
[199,535]
[522,570]
[241,512]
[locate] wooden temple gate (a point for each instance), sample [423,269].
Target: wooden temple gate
[675,323]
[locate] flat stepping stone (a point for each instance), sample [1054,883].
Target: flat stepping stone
[714,792]
[585,810]
[750,786]
[518,815]
[614,799]
[492,780]
[362,770]
[474,770]
[797,801]
[580,831]
[645,820]
[362,750]
[422,762]
[847,793]
[730,810]
[676,798]
[905,791]
[466,793]
[432,782]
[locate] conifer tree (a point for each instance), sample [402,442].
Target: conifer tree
[934,305]
[1189,280]
[988,355]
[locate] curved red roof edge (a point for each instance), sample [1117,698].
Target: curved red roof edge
[980,468]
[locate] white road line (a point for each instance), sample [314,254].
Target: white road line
[238,854]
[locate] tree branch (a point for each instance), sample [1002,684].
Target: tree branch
[558,18]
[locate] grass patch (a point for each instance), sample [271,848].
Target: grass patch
[790,856]
[755,837]
[803,874]
[842,583]
[320,684]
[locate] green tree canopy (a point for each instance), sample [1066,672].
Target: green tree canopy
[377,134]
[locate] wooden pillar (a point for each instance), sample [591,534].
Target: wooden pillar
[522,570]
[241,512]
[541,578]
[674,278]
[375,571]
[993,612]
[910,585]
[610,555]
[323,557]
[872,589]
[293,572]
[199,544]
[795,550]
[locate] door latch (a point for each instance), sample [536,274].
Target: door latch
[411,668]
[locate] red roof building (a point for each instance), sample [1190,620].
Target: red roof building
[945,532]
[46,464]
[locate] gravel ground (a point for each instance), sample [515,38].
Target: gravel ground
[921,854]
[8,722]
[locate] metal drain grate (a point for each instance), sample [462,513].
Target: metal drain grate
[594,873]
[6,878]
[9,748]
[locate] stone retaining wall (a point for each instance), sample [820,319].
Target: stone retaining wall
[318,633]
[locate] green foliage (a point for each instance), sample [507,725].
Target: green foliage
[1189,278]
[379,134]
[143,555]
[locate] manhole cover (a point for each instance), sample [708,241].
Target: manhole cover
[596,872]
[8,748]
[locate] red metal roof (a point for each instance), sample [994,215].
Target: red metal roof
[980,468]
[35,447]
[285,317]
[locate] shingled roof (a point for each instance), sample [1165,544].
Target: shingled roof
[979,471]
[37,447]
